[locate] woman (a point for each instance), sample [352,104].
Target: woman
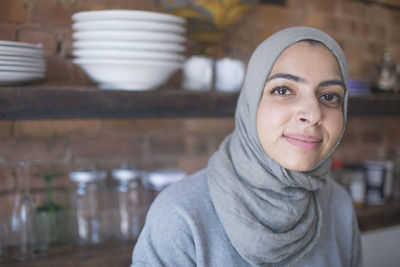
[265,198]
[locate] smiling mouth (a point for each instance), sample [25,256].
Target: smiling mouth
[303,142]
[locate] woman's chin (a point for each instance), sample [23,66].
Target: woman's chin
[300,165]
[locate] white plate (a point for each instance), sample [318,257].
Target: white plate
[22,68]
[127,54]
[172,47]
[128,25]
[20,51]
[126,14]
[39,64]
[129,35]
[34,60]
[21,44]
[10,77]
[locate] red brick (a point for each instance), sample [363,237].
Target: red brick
[191,164]
[52,14]
[378,14]
[395,18]
[8,32]
[379,32]
[269,18]
[336,25]
[58,70]
[316,21]
[167,145]
[106,147]
[392,137]
[6,128]
[141,127]
[46,38]
[349,138]
[375,50]
[372,136]
[208,126]
[6,178]
[295,4]
[157,161]
[6,207]
[362,28]
[46,150]
[13,10]
[49,128]
[324,6]
[352,9]
[196,144]
[121,4]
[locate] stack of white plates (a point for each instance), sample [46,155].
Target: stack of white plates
[128,49]
[21,62]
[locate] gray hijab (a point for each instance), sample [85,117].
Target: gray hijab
[271,215]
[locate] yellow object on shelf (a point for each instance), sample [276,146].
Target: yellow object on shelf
[208,19]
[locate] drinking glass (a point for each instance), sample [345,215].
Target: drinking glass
[22,220]
[50,216]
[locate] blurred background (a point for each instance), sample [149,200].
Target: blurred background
[54,152]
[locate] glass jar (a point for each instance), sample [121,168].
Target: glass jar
[129,202]
[87,204]
[357,187]
[157,180]
[377,174]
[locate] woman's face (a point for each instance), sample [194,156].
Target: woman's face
[300,115]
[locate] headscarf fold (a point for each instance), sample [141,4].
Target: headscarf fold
[271,215]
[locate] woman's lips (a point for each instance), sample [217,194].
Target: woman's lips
[305,142]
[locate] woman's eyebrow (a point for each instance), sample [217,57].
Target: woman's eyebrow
[286,76]
[332,82]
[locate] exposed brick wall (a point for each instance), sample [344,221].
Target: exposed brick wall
[363,30]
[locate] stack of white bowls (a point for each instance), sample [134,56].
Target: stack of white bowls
[128,49]
[21,62]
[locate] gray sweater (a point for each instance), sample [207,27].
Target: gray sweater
[183,229]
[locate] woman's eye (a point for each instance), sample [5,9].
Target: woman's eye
[331,99]
[282,91]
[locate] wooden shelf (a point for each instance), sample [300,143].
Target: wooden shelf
[73,102]
[17,103]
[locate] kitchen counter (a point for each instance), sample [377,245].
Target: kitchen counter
[119,253]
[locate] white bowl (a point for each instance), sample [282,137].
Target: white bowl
[127,15]
[17,77]
[128,25]
[129,36]
[126,54]
[155,46]
[128,74]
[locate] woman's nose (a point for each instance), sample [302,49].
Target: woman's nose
[309,111]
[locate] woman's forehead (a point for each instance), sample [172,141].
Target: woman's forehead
[304,58]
